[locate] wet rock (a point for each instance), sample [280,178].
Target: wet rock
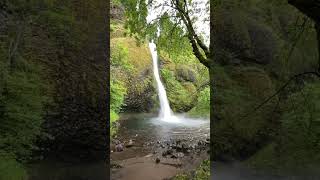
[180,155]
[167,152]
[177,155]
[184,147]
[119,147]
[157,160]
[179,148]
[130,144]
[174,156]
[114,165]
[149,155]
[116,142]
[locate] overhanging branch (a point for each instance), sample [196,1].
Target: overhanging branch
[279,90]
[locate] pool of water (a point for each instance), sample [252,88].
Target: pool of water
[150,127]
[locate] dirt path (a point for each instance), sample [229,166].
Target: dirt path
[145,168]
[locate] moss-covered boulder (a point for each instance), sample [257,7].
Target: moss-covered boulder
[185,73]
[239,131]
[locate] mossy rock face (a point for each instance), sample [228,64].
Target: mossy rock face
[140,95]
[116,11]
[256,80]
[291,149]
[138,55]
[243,39]
[184,73]
[138,79]
[237,134]
[182,96]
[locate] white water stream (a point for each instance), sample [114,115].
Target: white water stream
[201,26]
[166,113]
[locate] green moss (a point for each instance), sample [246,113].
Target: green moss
[10,169]
[238,90]
[201,173]
[138,56]
[298,137]
[113,118]
[181,95]
[117,30]
[202,108]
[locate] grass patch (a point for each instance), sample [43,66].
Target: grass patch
[10,169]
[201,173]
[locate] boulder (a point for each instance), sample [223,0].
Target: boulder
[130,144]
[119,148]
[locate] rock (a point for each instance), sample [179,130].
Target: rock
[117,166]
[167,152]
[177,155]
[130,144]
[185,73]
[180,155]
[174,156]
[119,147]
[116,142]
[184,147]
[149,155]
[178,147]
[157,160]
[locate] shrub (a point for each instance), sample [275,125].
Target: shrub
[201,173]
[202,108]
[10,169]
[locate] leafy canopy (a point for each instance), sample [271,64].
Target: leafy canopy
[173,25]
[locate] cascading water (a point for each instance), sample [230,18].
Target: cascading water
[166,113]
[165,110]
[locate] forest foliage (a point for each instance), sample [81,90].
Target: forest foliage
[45,70]
[259,47]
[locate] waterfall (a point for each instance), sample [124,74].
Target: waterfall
[166,113]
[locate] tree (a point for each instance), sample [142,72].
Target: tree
[176,21]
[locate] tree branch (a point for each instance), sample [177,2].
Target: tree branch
[280,90]
[193,38]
